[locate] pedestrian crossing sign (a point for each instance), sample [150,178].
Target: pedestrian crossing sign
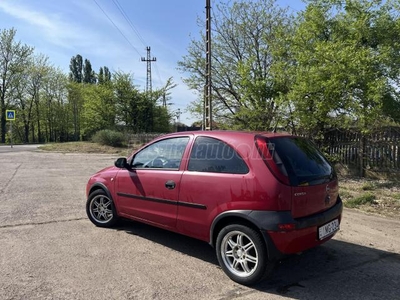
[10,115]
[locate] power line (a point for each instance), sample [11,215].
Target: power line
[122,11]
[117,27]
[158,74]
[136,31]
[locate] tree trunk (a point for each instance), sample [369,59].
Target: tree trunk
[26,132]
[33,132]
[38,119]
[3,123]
[3,115]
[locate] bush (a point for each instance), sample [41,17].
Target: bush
[109,138]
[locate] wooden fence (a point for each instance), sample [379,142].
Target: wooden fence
[378,151]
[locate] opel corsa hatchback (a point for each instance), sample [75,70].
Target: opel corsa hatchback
[254,197]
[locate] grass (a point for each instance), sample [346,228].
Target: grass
[86,147]
[365,199]
[380,196]
[344,193]
[368,186]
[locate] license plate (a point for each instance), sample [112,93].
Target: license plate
[328,229]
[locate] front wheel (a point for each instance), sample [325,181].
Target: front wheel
[101,210]
[242,254]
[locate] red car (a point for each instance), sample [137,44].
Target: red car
[255,197]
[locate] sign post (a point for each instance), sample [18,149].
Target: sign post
[10,116]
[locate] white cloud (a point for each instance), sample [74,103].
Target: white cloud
[53,28]
[61,30]
[58,30]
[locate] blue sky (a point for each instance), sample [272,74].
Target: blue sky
[61,29]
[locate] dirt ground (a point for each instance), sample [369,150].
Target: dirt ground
[378,196]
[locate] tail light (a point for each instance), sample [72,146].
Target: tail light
[287,227]
[272,159]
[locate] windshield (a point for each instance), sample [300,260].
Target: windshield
[304,163]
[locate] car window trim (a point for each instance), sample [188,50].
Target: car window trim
[190,136]
[219,140]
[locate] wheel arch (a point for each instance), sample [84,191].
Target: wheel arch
[242,217]
[227,218]
[100,186]
[96,190]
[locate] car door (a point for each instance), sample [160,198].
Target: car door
[216,179]
[149,189]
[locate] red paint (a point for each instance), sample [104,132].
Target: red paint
[200,197]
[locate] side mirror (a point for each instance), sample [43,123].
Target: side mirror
[121,163]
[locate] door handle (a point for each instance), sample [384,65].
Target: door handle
[170,184]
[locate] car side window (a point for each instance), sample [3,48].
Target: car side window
[164,154]
[212,155]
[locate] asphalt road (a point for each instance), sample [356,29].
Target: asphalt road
[49,250]
[18,148]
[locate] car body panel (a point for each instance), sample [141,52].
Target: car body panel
[201,200]
[142,194]
[308,200]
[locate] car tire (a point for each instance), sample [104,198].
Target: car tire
[100,209]
[242,254]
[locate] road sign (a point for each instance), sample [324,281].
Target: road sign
[10,115]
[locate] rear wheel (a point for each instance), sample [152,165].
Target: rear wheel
[242,254]
[101,210]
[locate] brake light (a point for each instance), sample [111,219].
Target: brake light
[270,158]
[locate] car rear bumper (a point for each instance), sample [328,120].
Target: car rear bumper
[303,237]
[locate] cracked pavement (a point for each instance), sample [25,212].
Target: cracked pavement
[50,250]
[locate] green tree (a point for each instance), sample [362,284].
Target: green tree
[55,98]
[161,122]
[107,74]
[76,69]
[14,57]
[75,106]
[244,89]
[100,78]
[104,75]
[98,111]
[24,103]
[342,54]
[38,75]
[138,111]
[126,99]
[134,109]
[88,74]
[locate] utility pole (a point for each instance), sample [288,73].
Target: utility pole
[178,115]
[207,110]
[178,119]
[149,60]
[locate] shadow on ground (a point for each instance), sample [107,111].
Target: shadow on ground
[335,270]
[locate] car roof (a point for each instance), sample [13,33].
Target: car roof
[235,138]
[231,134]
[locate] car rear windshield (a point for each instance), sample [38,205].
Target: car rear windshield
[303,162]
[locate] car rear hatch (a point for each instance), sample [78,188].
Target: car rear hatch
[298,163]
